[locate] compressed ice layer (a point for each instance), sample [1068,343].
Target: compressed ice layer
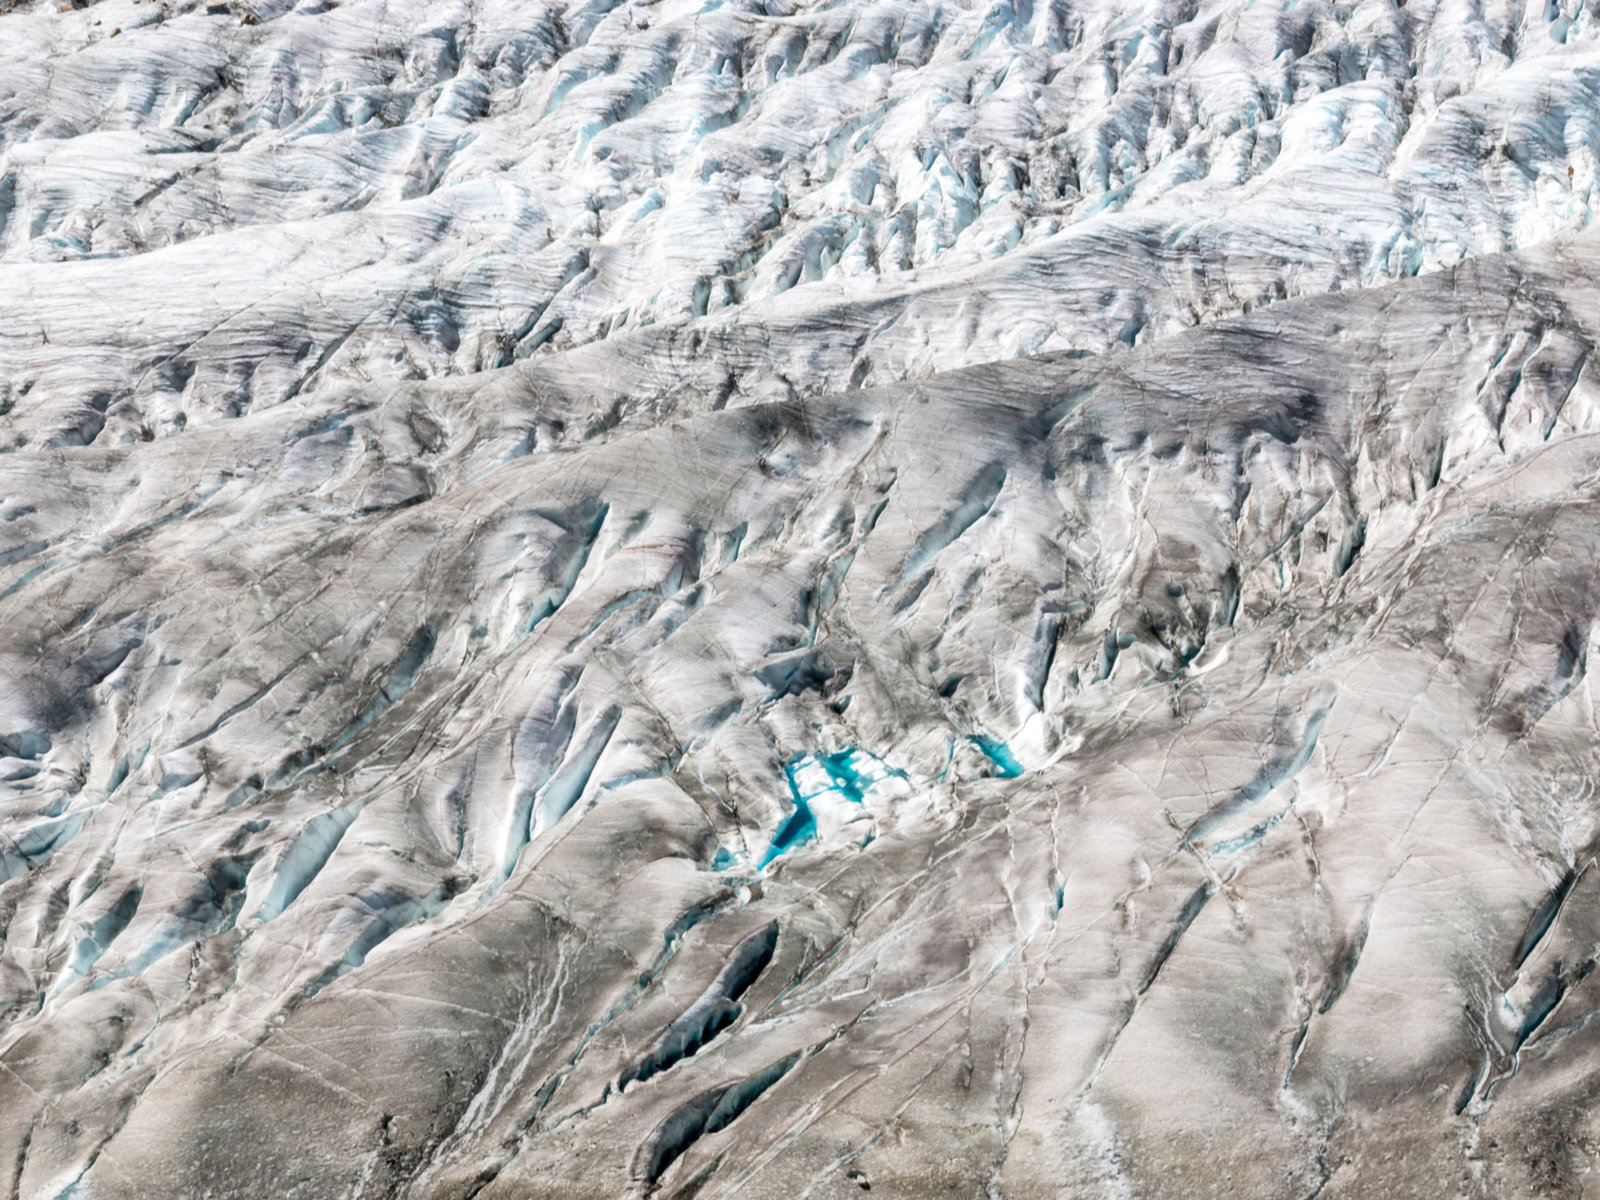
[1006,763]
[823,782]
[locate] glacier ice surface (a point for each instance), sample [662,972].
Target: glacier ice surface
[607,598]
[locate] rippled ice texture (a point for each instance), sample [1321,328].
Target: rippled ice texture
[290,197]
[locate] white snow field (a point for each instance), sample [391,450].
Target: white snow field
[780,600]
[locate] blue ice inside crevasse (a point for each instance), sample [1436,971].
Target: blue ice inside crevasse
[1000,755]
[850,775]
[1253,837]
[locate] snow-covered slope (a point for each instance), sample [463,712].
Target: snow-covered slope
[778,600]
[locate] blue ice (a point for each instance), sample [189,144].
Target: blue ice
[1000,755]
[850,774]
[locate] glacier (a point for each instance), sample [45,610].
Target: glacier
[793,598]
